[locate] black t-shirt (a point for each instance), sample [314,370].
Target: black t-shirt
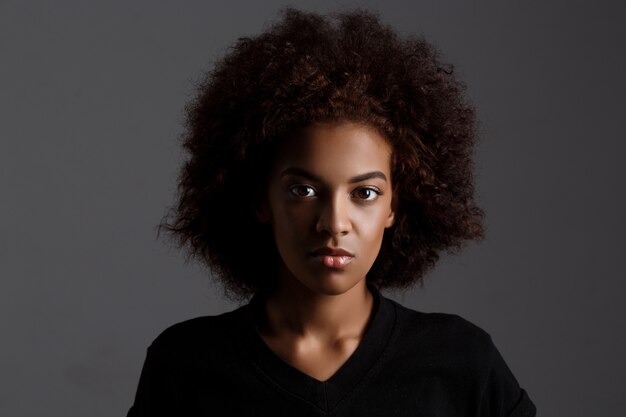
[408,363]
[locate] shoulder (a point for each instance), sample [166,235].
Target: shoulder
[442,326]
[443,338]
[197,333]
[449,347]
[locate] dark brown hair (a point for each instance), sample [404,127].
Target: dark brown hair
[309,68]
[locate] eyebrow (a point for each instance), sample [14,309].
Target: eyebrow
[306,174]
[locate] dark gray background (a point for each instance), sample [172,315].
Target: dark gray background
[91,98]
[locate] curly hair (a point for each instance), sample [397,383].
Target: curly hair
[309,68]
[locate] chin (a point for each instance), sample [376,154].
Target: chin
[319,281]
[331,284]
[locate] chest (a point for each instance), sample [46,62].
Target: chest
[317,360]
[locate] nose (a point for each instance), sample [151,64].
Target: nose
[334,216]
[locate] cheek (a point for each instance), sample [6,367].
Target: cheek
[291,221]
[379,214]
[372,224]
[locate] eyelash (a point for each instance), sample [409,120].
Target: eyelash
[376,191]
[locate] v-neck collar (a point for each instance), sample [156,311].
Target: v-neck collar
[325,395]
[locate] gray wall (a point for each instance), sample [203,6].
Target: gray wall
[91,99]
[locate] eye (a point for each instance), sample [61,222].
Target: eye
[302,190]
[367,193]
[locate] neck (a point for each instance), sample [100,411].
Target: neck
[296,310]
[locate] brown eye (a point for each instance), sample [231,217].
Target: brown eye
[302,191]
[367,193]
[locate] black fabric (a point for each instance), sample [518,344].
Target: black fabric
[408,363]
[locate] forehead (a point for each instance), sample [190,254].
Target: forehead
[335,149]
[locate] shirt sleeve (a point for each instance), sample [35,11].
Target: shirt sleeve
[145,388]
[157,390]
[502,395]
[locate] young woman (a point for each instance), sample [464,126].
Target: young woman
[328,159]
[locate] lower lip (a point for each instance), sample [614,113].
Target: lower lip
[334,261]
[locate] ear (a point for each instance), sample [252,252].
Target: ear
[262,212]
[392,212]
[390,219]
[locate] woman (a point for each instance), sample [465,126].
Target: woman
[327,162]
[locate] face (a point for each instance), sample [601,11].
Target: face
[329,190]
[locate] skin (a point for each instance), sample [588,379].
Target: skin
[318,315]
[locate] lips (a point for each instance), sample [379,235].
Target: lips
[333,257]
